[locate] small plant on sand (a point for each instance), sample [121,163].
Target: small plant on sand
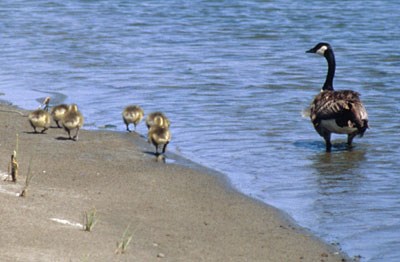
[90,220]
[123,244]
[13,166]
[16,144]
[28,179]
[85,258]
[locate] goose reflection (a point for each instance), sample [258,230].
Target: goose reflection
[339,163]
[338,179]
[339,172]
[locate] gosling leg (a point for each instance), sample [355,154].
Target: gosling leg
[69,133]
[75,138]
[165,147]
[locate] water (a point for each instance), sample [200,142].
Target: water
[233,77]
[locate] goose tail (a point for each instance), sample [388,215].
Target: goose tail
[363,127]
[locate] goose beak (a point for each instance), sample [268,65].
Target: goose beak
[310,51]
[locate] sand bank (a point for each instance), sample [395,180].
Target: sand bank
[175,213]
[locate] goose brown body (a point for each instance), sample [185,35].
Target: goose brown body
[72,119]
[340,112]
[132,115]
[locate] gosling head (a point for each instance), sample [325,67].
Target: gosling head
[320,48]
[45,103]
[73,108]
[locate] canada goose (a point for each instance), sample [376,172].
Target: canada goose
[157,118]
[58,112]
[72,119]
[132,114]
[340,112]
[40,118]
[159,135]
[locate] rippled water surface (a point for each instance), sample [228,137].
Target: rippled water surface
[233,77]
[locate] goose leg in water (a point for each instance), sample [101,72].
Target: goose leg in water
[327,137]
[350,139]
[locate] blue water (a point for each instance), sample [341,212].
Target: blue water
[233,77]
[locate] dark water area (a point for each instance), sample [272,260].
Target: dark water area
[233,77]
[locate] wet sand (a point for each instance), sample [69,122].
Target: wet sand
[174,213]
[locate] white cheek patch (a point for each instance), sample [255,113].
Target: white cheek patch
[322,49]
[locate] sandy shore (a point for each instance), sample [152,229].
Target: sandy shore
[175,213]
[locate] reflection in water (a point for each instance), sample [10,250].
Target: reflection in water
[338,163]
[339,179]
[338,172]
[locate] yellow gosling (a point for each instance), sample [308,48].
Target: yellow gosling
[132,115]
[72,119]
[159,136]
[40,118]
[58,113]
[157,118]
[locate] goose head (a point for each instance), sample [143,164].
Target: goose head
[320,48]
[325,50]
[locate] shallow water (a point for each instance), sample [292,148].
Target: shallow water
[233,77]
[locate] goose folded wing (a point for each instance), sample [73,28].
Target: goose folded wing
[333,109]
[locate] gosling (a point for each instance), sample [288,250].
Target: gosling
[58,113]
[132,115]
[159,136]
[72,119]
[157,118]
[40,118]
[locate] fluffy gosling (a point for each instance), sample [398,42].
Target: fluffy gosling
[157,118]
[40,118]
[58,113]
[159,136]
[72,119]
[132,115]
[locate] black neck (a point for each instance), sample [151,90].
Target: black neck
[330,58]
